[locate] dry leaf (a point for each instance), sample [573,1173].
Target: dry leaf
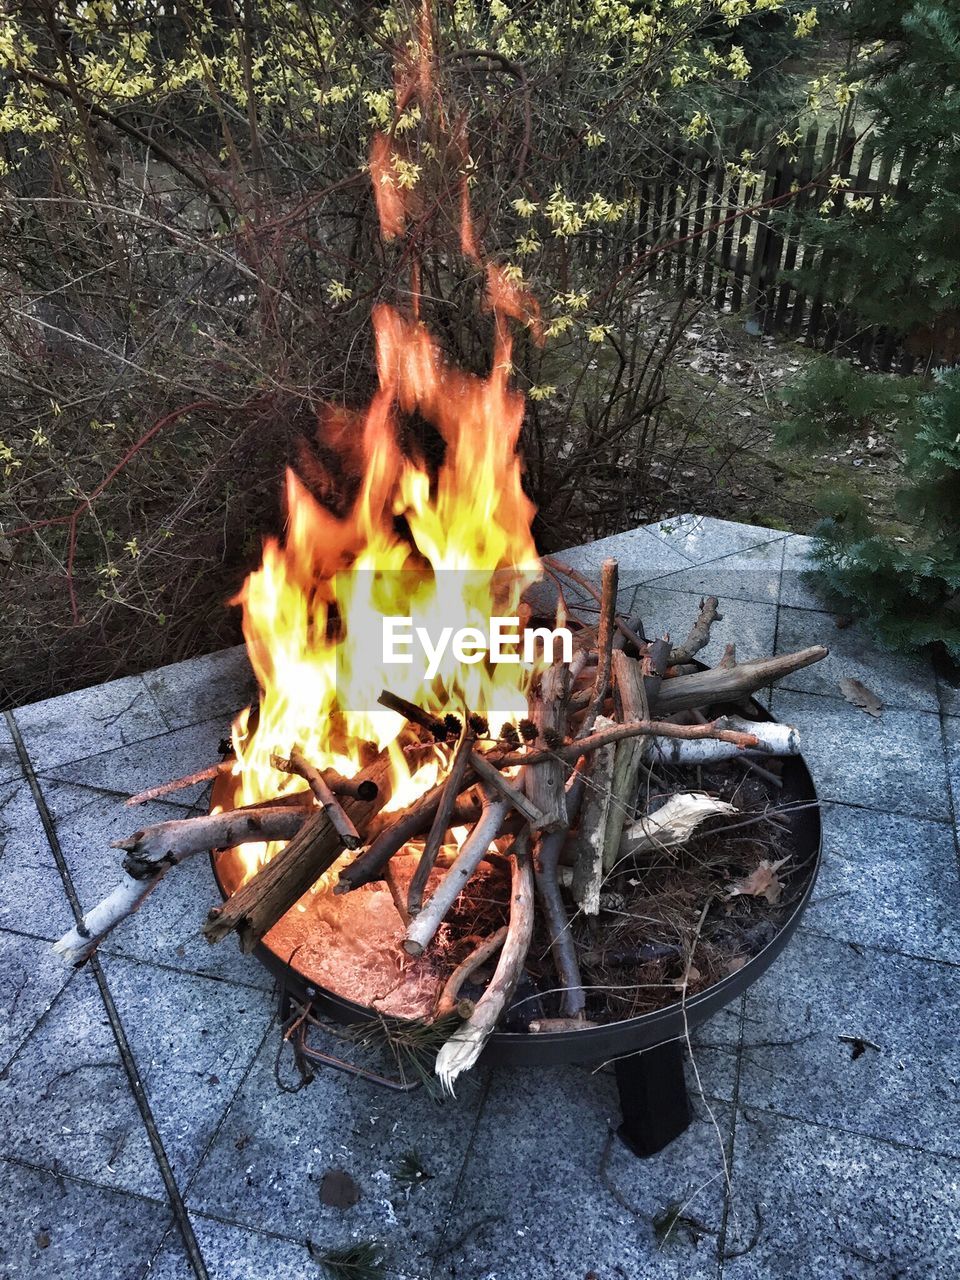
[761,883]
[856,692]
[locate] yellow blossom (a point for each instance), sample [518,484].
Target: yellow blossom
[525,208]
[543,392]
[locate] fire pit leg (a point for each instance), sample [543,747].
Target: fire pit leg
[653,1098]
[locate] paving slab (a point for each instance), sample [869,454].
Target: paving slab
[193,1039]
[562,1196]
[899,680]
[266,1168]
[641,555]
[167,927]
[55,1228]
[888,881]
[900,1085]
[69,1072]
[894,763]
[76,725]
[751,574]
[216,685]
[9,760]
[837,1206]
[706,538]
[116,775]
[31,977]
[236,1253]
[951,738]
[948,688]
[32,897]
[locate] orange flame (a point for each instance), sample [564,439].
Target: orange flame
[311,608]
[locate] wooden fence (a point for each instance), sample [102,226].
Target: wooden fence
[708,228]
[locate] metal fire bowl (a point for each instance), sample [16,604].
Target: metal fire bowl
[600,1044]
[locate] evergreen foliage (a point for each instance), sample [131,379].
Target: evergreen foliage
[903,578]
[899,268]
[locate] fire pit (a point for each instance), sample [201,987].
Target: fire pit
[646,1051]
[537,790]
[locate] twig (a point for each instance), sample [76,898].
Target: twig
[608,611]
[441,820]
[699,636]
[466,1044]
[474,848]
[449,996]
[325,797]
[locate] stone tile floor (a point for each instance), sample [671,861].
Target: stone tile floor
[143,1133]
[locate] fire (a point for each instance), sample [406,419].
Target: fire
[440,544]
[465,553]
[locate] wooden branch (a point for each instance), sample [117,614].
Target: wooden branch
[325,797]
[441,820]
[266,897]
[608,613]
[425,925]
[655,663]
[416,715]
[631,700]
[450,995]
[552,564]
[544,787]
[397,830]
[494,778]
[570,751]
[773,739]
[338,784]
[728,683]
[589,842]
[547,872]
[464,1047]
[155,850]
[184,836]
[699,636]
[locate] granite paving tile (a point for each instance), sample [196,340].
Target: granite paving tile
[166,929]
[69,1073]
[838,1206]
[901,1086]
[894,763]
[951,738]
[53,1228]
[748,624]
[640,554]
[215,685]
[236,1253]
[126,771]
[289,1141]
[900,680]
[547,1201]
[31,978]
[193,1040]
[752,574]
[948,686]
[703,538]
[76,725]
[888,881]
[32,897]
[9,760]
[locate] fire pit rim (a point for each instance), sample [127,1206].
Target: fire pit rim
[611,1039]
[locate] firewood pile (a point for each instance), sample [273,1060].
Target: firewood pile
[557,810]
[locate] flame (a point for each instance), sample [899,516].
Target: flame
[311,608]
[443,544]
